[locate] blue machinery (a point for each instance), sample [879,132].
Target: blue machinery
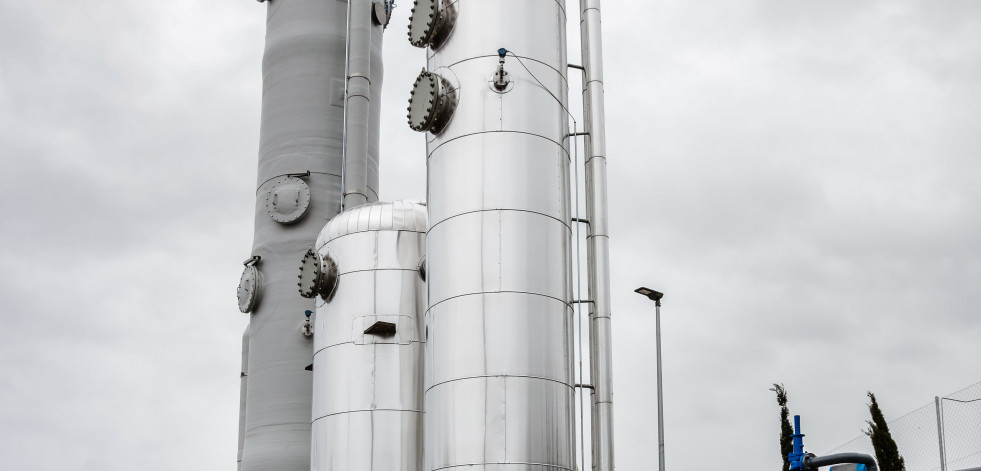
[801,461]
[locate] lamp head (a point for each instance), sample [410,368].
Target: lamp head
[651,294]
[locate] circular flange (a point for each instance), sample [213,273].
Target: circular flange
[288,200]
[248,289]
[380,13]
[318,275]
[500,84]
[431,22]
[431,103]
[422,22]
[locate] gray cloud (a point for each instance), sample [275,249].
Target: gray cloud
[800,179]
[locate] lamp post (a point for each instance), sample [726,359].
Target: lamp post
[656,297]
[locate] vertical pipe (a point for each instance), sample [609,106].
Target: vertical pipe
[243,391]
[358,103]
[597,239]
[940,434]
[660,392]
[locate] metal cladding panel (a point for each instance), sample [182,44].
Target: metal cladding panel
[499,251]
[499,420]
[352,312]
[521,172]
[395,250]
[499,381]
[496,334]
[530,28]
[364,377]
[368,388]
[368,441]
[482,109]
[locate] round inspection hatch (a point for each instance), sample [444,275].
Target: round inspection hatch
[310,273]
[380,13]
[288,200]
[431,103]
[422,103]
[318,275]
[431,22]
[422,22]
[248,289]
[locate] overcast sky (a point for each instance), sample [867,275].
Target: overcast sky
[802,180]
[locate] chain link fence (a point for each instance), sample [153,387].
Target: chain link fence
[944,435]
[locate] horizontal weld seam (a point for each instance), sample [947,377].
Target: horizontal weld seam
[561,145]
[559,73]
[378,269]
[367,410]
[368,230]
[291,173]
[498,209]
[503,462]
[410,342]
[570,386]
[567,303]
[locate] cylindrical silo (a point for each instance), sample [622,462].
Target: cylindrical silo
[298,190]
[369,341]
[499,383]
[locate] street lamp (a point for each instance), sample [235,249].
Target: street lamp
[656,297]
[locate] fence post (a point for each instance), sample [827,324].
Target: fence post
[940,433]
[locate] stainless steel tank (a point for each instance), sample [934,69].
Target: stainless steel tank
[298,190]
[369,339]
[499,381]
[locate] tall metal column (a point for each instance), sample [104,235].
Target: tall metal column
[298,190]
[499,379]
[597,239]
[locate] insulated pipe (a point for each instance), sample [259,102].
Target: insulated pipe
[597,239]
[812,463]
[301,131]
[243,388]
[358,103]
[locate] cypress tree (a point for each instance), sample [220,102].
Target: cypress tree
[786,441]
[886,451]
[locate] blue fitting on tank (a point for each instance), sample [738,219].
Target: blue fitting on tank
[308,313]
[798,454]
[502,52]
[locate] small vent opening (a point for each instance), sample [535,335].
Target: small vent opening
[381,328]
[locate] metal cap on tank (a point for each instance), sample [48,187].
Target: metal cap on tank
[381,216]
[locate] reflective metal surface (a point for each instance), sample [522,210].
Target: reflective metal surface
[368,387]
[363,102]
[499,382]
[301,130]
[598,238]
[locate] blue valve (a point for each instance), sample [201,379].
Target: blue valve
[308,313]
[502,52]
[798,454]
